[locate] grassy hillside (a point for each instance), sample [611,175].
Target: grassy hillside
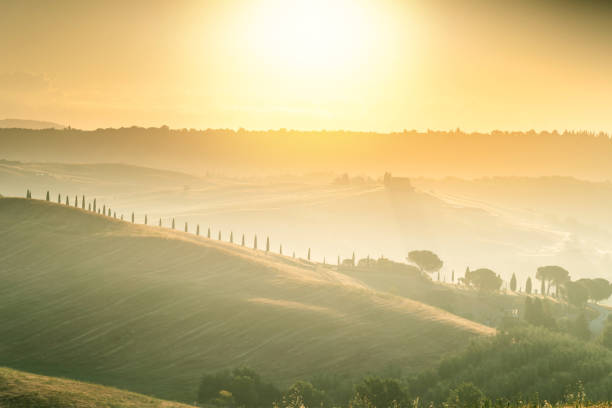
[19,389]
[150,309]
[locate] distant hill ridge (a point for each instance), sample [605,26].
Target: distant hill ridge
[151,309]
[28,124]
[429,154]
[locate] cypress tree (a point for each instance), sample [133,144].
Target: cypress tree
[208,233]
[173,223]
[76,201]
[242,240]
[28,193]
[309,254]
[198,230]
[132,217]
[146,219]
[353,259]
[160,222]
[186,228]
[267,244]
[513,283]
[324,261]
[89,207]
[47,195]
[280,250]
[67,202]
[453,276]
[528,285]
[114,215]
[94,207]
[219,235]
[255,242]
[338,259]
[438,276]
[83,202]
[121,217]
[543,287]
[109,211]
[104,209]
[231,237]
[59,198]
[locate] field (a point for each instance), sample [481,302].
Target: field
[150,309]
[20,390]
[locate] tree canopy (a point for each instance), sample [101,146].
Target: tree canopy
[484,279]
[427,261]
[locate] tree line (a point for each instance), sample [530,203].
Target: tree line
[520,367]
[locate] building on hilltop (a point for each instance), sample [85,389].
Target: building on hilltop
[397,183]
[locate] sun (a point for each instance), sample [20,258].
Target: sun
[310,34]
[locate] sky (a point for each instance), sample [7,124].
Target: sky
[370,65]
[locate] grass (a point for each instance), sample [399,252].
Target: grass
[150,310]
[23,390]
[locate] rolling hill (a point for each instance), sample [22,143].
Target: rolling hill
[150,310]
[20,389]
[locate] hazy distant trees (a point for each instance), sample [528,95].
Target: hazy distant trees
[231,237]
[606,335]
[208,233]
[513,283]
[173,223]
[198,230]
[552,274]
[538,314]
[132,217]
[267,244]
[379,392]
[146,220]
[309,254]
[466,395]
[597,289]
[426,261]
[242,243]
[577,293]
[186,227]
[483,279]
[219,238]
[528,287]
[242,387]
[255,242]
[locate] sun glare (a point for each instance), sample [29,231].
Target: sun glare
[310,34]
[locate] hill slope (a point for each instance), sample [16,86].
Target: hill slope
[150,309]
[20,389]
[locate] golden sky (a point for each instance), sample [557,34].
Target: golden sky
[308,64]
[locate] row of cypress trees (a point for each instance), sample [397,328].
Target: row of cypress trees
[93,207]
